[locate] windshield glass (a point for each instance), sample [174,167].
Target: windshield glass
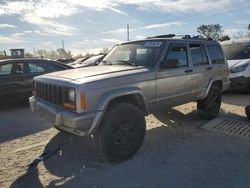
[142,53]
[79,60]
[91,59]
[237,51]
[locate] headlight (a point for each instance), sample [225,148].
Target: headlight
[69,99]
[71,95]
[239,68]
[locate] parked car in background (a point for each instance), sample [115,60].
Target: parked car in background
[92,61]
[78,61]
[238,56]
[16,76]
[66,60]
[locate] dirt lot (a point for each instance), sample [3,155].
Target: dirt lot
[176,152]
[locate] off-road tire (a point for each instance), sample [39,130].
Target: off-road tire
[122,132]
[248,87]
[247,111]
[209,107]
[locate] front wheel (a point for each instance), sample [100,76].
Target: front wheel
[209,107]
[122,132]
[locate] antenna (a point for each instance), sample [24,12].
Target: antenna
[127,32]
[62,44]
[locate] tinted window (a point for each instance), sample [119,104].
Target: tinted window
[19,68]
[237,51]
[52,67]
[215,54]
[5,69]
[34,67]
[176,57]
[198,53]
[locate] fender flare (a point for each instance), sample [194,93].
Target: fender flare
[107,98]
[211,83]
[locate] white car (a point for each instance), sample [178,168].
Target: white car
[238,58]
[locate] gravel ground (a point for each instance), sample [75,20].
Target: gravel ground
[176,152]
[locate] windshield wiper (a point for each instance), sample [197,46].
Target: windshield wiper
[130,63]
[106,62]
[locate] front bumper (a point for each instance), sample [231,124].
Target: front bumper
[239,82]
[80,124]
[226,85]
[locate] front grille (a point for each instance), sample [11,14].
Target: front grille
[50,93]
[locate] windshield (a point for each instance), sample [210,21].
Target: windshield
[91,60]
[79,60]
[237,51]
[142,53]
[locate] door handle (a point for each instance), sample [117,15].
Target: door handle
[209,68]
[189,70]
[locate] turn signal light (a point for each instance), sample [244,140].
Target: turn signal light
[228,73]
[83,101]
[69,106]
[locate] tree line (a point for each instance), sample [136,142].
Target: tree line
[213,31]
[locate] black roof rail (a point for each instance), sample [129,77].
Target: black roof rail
[196,37]
[163,36]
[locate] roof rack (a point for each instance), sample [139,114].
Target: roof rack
[197,37]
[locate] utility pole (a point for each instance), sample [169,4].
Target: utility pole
[34,50]
[62,44]
[127,32]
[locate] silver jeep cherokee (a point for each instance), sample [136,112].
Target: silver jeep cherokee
[136,78]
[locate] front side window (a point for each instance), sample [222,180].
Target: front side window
[6,69]
[19,68]
[141,53]
[176,56]
[215,54]
[198,54]
[237,51]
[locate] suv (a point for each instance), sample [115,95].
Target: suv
[238,56]
[136,78]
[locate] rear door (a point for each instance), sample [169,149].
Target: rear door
[202,68]
[218,61]
[174,78]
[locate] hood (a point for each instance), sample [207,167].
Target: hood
[93,73]
[233,63]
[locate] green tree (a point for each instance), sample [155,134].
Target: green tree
[28,55]
[63,53]
[213,31]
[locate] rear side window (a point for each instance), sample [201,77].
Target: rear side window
[52,67]
[6,69]
[176,57]
[35,68]
[215,54]
[198,53]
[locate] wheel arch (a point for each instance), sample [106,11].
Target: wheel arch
[129,95]
[217,82]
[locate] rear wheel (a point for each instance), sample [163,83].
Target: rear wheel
[209,107]
[247,110]
[248,87]
[122,132]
